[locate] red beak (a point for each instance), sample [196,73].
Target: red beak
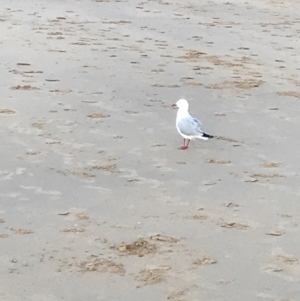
[174,105]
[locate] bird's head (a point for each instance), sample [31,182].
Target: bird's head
[181,104]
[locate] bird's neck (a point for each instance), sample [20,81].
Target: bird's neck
[181,113]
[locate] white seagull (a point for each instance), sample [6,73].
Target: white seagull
[187,126]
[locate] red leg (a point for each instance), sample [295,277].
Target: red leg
[185,146]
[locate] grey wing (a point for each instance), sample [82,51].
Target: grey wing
[190,126]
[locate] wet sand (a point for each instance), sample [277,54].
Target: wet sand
[97,202]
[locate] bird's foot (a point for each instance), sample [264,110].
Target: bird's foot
[183,147]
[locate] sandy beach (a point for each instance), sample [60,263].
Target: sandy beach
[96,200]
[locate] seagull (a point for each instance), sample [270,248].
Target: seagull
[187,126]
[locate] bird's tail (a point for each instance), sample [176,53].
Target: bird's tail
[207,136]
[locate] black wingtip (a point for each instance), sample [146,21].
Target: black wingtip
[207,136]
